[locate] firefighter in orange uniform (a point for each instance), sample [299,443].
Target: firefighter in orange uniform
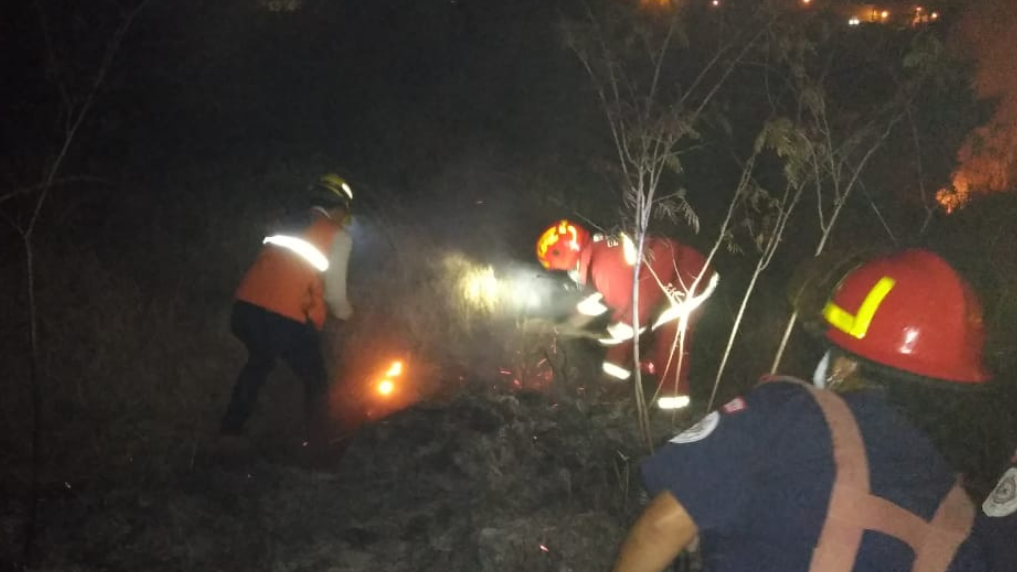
[298,278]
[837,476]
[674,280]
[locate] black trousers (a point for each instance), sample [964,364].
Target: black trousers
[269,337]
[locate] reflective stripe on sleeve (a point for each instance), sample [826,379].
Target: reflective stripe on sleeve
[301,248]
[616,371]
[592,305]
[620,332]
[681,309]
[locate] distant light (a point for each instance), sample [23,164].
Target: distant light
[918,9]
[671,403]
[854,22]
[386,387]
[885,14]
[935,15]
[806,2]
[715,3]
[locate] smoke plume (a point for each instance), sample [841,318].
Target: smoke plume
[987,159]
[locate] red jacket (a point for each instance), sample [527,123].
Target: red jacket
[603,265]
[283,282]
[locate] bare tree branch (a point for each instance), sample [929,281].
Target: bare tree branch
[21,191]
[27,234]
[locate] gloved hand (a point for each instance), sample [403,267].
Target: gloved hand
[619,332]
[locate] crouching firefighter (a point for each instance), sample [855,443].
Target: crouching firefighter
[298,278]
[835,476]
[674,281]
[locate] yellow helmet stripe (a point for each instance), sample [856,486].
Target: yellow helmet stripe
[551,237]
[857,324]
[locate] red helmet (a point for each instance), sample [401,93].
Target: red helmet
[559,246]
[910,311]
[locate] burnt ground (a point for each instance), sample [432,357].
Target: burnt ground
[488,481]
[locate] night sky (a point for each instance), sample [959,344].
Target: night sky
[235,81]
[232,81]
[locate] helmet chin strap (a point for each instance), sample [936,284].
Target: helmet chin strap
[819,376]
[574,274]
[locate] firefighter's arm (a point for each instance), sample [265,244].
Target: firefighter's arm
[335,277]
[658,536]
[590,306]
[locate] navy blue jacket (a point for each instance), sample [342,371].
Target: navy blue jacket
[756,478]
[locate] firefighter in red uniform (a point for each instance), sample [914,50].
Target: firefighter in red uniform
[674,281]
[282,302]
[792,477]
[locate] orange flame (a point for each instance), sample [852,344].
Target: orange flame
[395,370]
[988,157]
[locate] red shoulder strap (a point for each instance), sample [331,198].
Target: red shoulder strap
[853,509]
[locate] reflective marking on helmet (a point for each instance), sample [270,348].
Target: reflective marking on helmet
[336,185]
[616,371]
[547,240]
[301,248]
[672,403]
[554,234]
[857,324]
[570,230]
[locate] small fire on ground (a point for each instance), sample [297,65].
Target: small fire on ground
[386,386]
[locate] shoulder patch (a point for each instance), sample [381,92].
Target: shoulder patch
[734,406]
[1003,500]
[699,431]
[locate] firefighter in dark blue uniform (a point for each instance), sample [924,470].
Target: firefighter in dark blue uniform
[791,477]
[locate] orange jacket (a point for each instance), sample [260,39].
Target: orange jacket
[283,282]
